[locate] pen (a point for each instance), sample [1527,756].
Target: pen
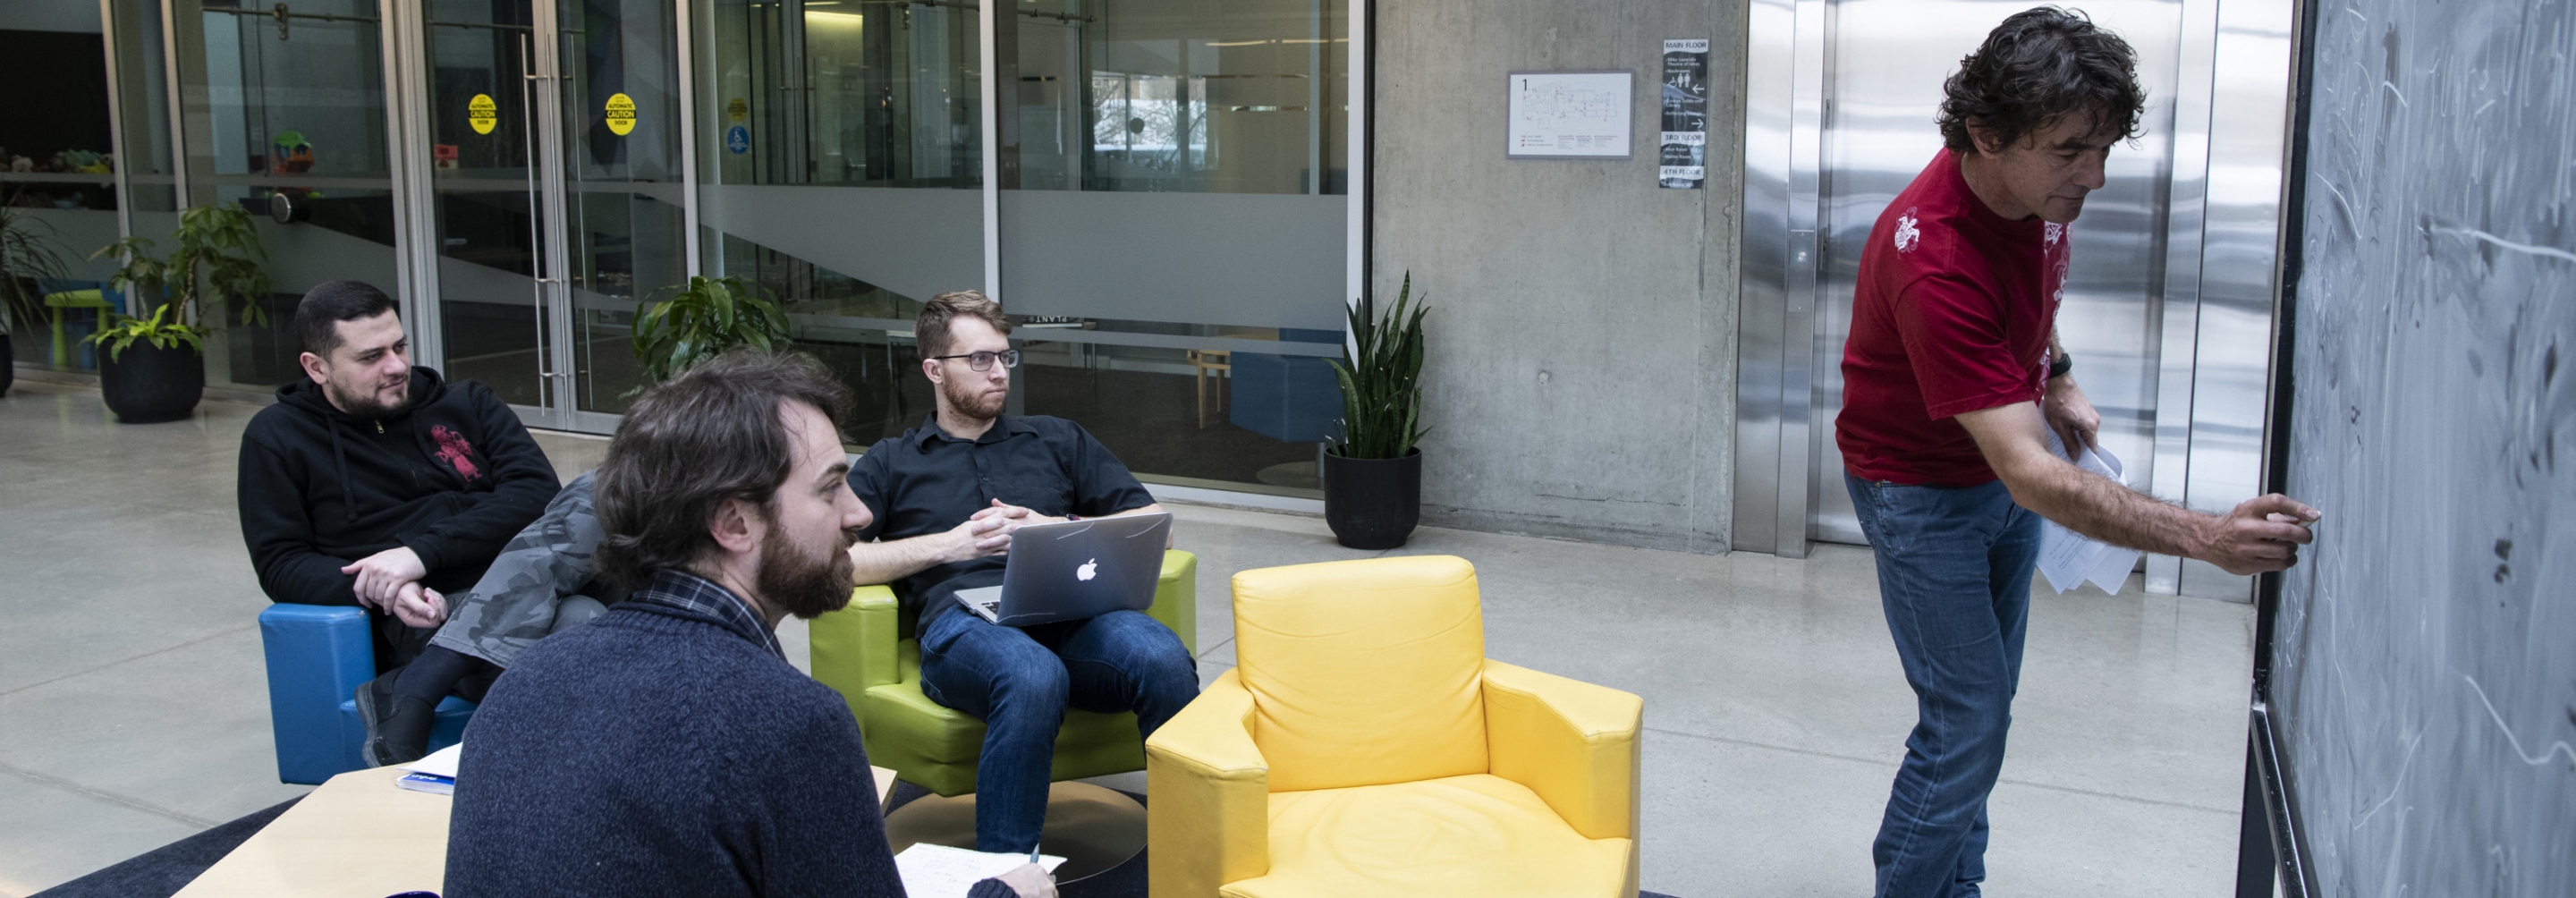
[1033,852]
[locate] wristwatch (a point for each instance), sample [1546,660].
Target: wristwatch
[2058,368]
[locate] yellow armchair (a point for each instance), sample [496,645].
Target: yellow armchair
[866,651]
[1365,746]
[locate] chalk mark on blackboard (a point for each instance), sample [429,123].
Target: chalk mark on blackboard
[2527,758]
[2544,251]
[2402,768]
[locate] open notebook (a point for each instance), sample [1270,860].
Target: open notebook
[938,871]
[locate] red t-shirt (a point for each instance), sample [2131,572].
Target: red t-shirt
[1952,314]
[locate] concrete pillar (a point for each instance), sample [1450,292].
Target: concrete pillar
[1580,380]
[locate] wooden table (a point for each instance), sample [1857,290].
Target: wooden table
[357,836]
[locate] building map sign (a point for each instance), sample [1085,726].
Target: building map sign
[1569,115]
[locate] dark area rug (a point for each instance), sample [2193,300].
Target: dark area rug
[163,871]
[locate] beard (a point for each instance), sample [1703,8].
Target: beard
[971,401]
[803,585]
[363,404]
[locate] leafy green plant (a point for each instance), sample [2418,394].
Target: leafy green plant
[217,242]
[158,329]
[1381,376]
[28,250]
[703,319]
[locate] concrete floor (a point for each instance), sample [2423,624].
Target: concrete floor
[133,702]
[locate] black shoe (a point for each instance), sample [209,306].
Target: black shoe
[397,725]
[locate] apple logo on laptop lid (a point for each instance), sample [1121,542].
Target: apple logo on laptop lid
[1087,569]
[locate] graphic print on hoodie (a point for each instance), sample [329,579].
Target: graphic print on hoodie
[456,452]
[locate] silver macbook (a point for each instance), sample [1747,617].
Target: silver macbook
[1075,570]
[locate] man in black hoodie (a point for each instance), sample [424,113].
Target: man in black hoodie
[374,483]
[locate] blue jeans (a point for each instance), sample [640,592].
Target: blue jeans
[1019,680]
[1954,570]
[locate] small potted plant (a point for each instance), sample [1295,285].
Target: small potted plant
[1373,474]
[705,317]
[27,252]
[154,367]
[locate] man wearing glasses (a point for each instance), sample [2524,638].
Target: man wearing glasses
[946,497]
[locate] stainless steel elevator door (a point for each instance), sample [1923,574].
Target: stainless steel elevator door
[1884,63]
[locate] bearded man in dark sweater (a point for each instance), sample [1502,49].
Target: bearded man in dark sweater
[374,483]
[667,747]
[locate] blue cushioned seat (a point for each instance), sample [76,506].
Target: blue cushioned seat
[317,657]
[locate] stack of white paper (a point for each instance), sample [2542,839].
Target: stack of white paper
[2069,559]
[435,774]
[938,871]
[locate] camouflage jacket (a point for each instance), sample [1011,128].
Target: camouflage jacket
[514,604]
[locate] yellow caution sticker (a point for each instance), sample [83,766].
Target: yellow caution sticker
[621,114]
[737,110]
[482,114]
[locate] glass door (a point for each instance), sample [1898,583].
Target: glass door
[623,188]
[556,186]
[488,125]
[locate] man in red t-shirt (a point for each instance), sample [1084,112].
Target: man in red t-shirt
[1952,381]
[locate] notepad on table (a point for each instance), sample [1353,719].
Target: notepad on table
[434,774]
[938,871]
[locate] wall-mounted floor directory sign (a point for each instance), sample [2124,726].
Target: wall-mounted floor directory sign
[1577,115]
[1682,161]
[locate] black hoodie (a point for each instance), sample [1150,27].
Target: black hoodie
[453,476]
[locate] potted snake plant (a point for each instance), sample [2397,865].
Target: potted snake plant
[154,367]
[1373,473]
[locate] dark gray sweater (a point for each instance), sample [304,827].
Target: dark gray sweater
[665,750]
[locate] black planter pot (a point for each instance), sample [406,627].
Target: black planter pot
[1373,503]
[8,363]
[147,384]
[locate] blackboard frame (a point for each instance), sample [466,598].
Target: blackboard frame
[2271,843]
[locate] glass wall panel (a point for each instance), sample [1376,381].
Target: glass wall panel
[285,101]
[842,167]
[1169,185]
[142,77]
[1172,202]
[56,168]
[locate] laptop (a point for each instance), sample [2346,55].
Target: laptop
[1075,570]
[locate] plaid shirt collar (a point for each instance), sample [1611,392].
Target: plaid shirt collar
[690,592]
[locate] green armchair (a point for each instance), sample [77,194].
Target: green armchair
[867,653]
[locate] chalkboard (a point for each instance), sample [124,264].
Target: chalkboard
[2422,689]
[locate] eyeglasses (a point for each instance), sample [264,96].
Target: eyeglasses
[983,361]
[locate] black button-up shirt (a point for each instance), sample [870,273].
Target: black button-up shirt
[927,481]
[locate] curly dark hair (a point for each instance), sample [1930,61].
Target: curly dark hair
[711,434]
[2037,67]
